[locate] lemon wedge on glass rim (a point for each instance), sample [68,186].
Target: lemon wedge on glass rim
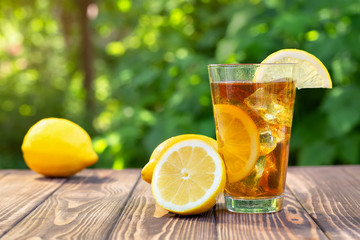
[311,71]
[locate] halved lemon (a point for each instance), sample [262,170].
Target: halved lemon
[188,177]
[147,171]
[311,71]
[238,139]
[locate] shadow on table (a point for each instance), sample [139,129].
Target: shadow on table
[78,179]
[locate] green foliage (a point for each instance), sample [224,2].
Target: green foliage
[151,79]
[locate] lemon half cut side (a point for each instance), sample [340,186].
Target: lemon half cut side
[148,169]
[188,177]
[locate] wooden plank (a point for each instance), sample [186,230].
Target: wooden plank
[85,207]
[3,173]
[353,170]
[290,223]
[331,195]
[20,193]
[142,219]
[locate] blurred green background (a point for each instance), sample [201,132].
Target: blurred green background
[133,73]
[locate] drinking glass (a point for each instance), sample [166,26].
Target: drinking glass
[253,109]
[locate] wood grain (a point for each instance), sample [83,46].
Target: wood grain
[20,193]
[3,173]
[320,203]
[291,223]
[142,218]
[85,207]
[331,196]
[354,171]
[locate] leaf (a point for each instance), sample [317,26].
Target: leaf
[225,49]
[292,24]
[343,109]
[349,149]
[318,153]
[238,21]
[309,129]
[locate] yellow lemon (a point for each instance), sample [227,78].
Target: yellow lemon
[311,71]
[56,147]
[239,141]
[188,177]
[147,171]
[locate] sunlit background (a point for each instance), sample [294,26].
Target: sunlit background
[133,73]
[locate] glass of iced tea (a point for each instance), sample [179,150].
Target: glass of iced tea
[253,108]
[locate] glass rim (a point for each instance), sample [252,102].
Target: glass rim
[248,64]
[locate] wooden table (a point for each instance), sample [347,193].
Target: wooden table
[321,203]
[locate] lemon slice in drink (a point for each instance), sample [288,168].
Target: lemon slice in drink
[239,141]
[311,72]
[147,171]
[188,177]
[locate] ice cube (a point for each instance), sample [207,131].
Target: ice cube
[263,180]
[267,141]
[259,167]
[270,178]
[278,132]
[248,186]
[274,115]
[273,108]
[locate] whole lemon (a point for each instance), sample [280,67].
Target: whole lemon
[57,147]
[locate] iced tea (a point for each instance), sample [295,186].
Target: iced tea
[253,118]
[270,106]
